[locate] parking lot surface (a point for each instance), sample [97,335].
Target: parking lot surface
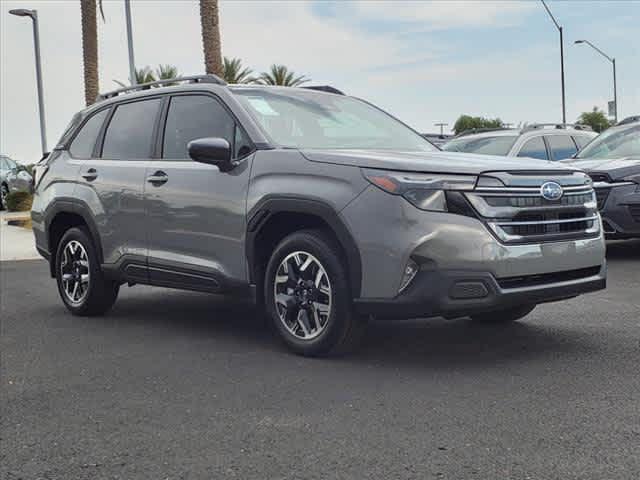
[178,385]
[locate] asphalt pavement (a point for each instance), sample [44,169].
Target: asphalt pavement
[178,385]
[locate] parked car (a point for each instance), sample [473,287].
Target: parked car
[539,141]
[437,139]
[322,207]
[13,178]
[613,162]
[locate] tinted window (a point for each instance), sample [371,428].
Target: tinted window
[561,146]
[534,148]
[3,166]
[82,145]
[130,130]
[581,140]
[499,145]
[191,117]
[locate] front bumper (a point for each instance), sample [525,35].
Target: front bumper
[453,294]
[620,210]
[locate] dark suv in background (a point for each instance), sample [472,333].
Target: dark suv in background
[320,206]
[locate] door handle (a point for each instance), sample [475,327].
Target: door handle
[158,178]
[90,175]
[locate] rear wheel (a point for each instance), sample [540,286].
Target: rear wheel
[504,316]
[307,295]
[81,282]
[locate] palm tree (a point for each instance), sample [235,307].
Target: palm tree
[90,49]
[281,75]
[233,72]
[146,75]
[211,37]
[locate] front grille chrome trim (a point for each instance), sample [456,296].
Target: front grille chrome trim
[547,222]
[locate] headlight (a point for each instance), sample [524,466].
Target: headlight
[426,191]
[635,178]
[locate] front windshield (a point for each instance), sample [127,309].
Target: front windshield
[614,143]
[498,145]
[309,119]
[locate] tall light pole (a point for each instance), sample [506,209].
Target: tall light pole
[132,62]
[33,14]
[615,88]
[564,108]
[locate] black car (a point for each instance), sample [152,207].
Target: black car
[612,160]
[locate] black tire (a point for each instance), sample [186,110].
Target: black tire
[504,316]
[342,329]
[4,191]
[101,293]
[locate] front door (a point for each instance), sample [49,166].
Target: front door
[196,213]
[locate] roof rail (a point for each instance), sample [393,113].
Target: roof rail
[471,131]
[325,88]
[168,82]
[559,126]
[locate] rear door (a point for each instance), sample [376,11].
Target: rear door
[112,179]
[196,213]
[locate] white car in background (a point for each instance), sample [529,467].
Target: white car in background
[539,141]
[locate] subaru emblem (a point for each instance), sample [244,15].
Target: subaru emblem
[551,191]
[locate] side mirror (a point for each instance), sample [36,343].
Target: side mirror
[214,151]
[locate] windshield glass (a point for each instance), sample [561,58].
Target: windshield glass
[499,145]
[614,143]
[309,119]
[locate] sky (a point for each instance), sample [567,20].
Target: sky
[423,61]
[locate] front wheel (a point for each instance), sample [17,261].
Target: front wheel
[81,282]
[504,316]
[307,295]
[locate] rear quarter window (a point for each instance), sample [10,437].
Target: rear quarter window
[534,148]
[561,146]
[83,144]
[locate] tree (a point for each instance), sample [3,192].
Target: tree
[281,75]
[467,122]
[233,72]
[596,119]
[210,23]
[90,49]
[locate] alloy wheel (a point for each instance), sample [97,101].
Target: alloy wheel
[74,271]
[302,293]
[4,193]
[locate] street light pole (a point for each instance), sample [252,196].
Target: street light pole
[564,108]
[33,14]
[132,63]
[613,62]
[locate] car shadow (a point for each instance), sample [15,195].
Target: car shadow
[623,250]
[433,343]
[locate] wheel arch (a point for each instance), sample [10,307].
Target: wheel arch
[275,217]
[62,216]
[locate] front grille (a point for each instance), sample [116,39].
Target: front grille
[635,212]
[520,214]
[601,196]
[546,278]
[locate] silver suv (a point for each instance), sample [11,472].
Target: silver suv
[323,208]
[541,141]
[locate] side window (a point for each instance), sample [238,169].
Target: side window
[561,146]
[195,116]
[130,131]
[82,145]
[2,164]
[534,148]
[581,140]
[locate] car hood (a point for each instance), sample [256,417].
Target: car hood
[432,162]
[616,168]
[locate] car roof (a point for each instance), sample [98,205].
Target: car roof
[524,132]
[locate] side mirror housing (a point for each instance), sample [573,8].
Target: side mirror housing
[211,150]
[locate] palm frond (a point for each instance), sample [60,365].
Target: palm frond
[281,75]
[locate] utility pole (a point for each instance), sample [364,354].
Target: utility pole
[132,62]
[564,108]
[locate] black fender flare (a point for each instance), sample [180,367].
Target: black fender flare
[76,207]
[271,205]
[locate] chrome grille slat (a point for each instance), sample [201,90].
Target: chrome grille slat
[518,213]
